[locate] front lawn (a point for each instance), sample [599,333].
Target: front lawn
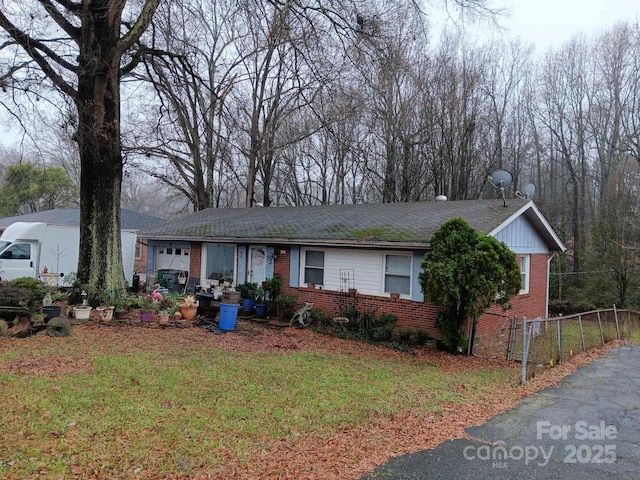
[131,402]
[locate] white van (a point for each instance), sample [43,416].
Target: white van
[27,249]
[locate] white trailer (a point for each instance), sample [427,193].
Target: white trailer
[27,249]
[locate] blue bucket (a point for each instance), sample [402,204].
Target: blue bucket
[228,315]
[261,310]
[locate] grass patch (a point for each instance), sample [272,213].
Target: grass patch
[175,410]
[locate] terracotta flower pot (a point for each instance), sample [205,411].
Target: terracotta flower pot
[189,312]
[163,319]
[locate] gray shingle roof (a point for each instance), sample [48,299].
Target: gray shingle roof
[363,224]
[70,217]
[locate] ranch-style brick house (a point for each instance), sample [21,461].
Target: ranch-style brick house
[359,254]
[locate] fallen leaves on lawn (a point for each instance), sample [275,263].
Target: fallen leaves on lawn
[348,453]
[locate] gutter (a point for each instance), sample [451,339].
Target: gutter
[290,241]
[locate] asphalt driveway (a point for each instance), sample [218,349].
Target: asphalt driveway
[588,426]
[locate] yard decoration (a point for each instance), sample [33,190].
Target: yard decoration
[466,273]
[58,327]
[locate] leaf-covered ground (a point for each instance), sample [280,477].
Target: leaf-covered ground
[345,453]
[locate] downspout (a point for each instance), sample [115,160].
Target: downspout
[546,307]
[472,335]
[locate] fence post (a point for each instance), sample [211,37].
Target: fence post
[525,353]
[615,315]
[559,328]
[512,338]
[600,325]
[581,332]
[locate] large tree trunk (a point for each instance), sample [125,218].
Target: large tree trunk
[98,136]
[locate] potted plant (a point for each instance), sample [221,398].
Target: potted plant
[248,293]
[147,309]
[166,310]
[121,307]
[105,312]
[261,306]
[163,317]
[81,312]
[188,307]
[272,288]
[48,308]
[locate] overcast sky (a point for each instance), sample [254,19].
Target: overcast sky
[550,23]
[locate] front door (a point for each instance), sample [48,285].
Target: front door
[257,264]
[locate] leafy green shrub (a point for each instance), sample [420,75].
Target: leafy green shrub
[387,319]
[35,286]
[351,313]
[318,317]
[365,326]
[273,287]
[403,336]
[59,296]
[452,337]
[248,290]
[466,273]
[381,334]
[365,322]
[24,292]
[285,305]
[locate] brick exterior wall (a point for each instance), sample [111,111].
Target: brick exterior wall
[195,259]
[492,330]
[140,264]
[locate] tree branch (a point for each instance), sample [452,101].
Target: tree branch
[73,7]
[138,28]
[31,46]
[73,31]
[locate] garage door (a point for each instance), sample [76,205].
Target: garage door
[171,258]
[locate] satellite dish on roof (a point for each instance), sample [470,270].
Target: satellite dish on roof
[501,178]
[528,191]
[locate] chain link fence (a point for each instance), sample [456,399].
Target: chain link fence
[544,343]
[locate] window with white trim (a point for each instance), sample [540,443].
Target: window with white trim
[397,274]
[525,262]
[221,260]
[138,254]
[314,267]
